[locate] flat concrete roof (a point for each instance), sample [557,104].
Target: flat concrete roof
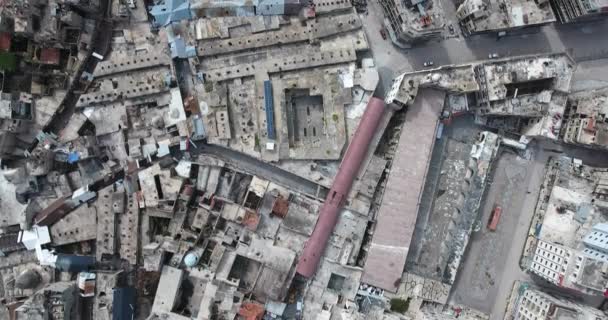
[397,215]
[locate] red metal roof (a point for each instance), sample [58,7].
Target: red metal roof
[351,163]
[49,56]
[5,41]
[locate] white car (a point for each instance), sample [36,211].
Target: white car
[428,64]
[493,55]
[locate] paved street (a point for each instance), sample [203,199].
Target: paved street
[590,75]
[583,41]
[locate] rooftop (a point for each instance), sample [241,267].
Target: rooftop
[476,16]
[397,215]
[585,120]
[411,21]
[567,252]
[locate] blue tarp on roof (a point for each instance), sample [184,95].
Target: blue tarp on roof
[168,11]
[179,49]
[73,157]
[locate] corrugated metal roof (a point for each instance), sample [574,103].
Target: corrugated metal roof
[397,214]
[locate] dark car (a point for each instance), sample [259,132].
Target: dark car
[383,33]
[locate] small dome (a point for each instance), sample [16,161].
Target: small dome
[28,279]
[190,260]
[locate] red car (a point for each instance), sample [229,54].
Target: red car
[383,34]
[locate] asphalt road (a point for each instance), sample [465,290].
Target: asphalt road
[583,41]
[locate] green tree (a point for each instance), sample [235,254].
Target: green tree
[8,61]
[399,305]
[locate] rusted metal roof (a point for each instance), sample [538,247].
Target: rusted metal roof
[397,214]
[251,311]
[280,207]
[54,212]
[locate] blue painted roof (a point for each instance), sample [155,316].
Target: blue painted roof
[269,104]
[123,307]
[74,263]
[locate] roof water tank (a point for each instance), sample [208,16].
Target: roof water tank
[190,260]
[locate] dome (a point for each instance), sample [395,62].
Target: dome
[190,260]
[28,279]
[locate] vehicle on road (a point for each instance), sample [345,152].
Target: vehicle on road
[494,218]
[383,33]
[451,28]
[428,64]
[493,56]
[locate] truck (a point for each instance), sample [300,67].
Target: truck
[494,218]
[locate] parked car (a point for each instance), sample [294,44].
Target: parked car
[493,56]
[383,33]
[428,64]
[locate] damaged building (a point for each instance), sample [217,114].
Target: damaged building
[307,98]
[570,228]
[585,119]
[567,11]
[525,95]
[512,17]
[535,304]
[46,44]
[204,160]
[411,22]
[501,17]
[424,261]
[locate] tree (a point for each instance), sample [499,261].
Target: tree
[8,61]
[399,305]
